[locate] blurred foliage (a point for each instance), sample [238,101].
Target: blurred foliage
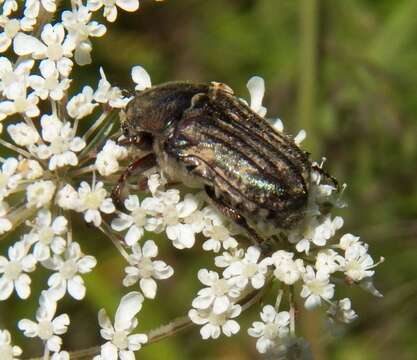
[343,70]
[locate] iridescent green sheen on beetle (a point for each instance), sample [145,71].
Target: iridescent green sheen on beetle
[204,136]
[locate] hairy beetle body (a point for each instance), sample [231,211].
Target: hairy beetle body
[205,137]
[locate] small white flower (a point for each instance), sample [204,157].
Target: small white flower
[256,87]
[40,193]
[47,328]
[215,324]
[49,84]
[80,28]
[228,258]
[82,104]
[358,263]
[46,235]
[342,311]
[107,160]
[92,201]
[315,232]
[53,48]
[316,287]
[347,240]
[14,78]
[67,198]
[329,261]
[287,270]
[9,178]
[121,344]
[30,169]
[7,350]
[23,134]
[144,269]
[219,236]
[274,326]
[218,293]
[68,267]
[135,221]
[21,103]
[62,143]
[10,29]
[141,77]
[14,271]
[5,224]
[106,94]
[110,9]
[248,270]
[178,229]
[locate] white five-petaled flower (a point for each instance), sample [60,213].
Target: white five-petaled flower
[287,270]
[62,143]
[358,264]
[40,193]
[9,177]
[315,232]
[107,94]
[47,327]
[14,79]
[110,9]
[47,235]
[121,344]
[11,27]
[68,269]
[328,261]
[53,47]
[248,270]
[274,326]
[316,287]
[92,200]
[217,232]
[178,229]
[81,104]
[144,269]
[347,240]
[80,28]
[135,221]
[107,160]
[48,83]
[227,258]
[14,271]
[22,103]
[23,134]
[342,311]
[219,293]
[7,350]
[215,324]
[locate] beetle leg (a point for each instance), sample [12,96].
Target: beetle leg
[139,165]
[234,215]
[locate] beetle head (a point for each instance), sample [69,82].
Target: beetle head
[154,110]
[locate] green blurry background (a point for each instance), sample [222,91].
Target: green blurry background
[343,70]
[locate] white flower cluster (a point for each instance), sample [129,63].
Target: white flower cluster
[53,173]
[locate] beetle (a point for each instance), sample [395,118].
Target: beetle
[204,136]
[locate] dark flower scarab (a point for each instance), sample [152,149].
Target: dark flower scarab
[204,136]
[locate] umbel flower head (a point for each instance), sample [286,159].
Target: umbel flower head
[54,173]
